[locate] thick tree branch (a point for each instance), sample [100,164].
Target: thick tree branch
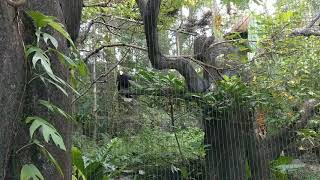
[150,11]
[306,32]
[314,21]
[309,30]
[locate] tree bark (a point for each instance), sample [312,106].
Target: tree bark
[19,99]
[11,82]
[225,137]
[95,103]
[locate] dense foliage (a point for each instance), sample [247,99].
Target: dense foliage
[133,119]
[283,75]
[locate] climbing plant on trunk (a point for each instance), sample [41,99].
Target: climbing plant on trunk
[16,32]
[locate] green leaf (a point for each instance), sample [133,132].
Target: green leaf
[42,21]
[40,55]
[184,172]
[31,49]
[55,109]
[45,62]
[60,28]
[78,163]
[47,130]
[63,59]
[53,40]
[106,178]
[61,81]
[57,86]
[94,170]
[77,159]
[282,160]
[30,171]
[83,70]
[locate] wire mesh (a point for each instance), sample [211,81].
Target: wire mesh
[155,118]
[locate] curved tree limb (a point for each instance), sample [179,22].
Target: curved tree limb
[150,11]
[314,21]
[308,30]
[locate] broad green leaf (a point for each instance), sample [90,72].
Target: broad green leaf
[63,59]
[30,171]
[57,86]
[42,21]
[77,159]
[60,28]
[47,130]
[68,85]
[53,40]
[74,177]
[31,49]
[40,55]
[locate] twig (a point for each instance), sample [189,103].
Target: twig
[228,41]
[25,146]
[141,23]
[314,21]
[113,45]
[101,76]
[102,4]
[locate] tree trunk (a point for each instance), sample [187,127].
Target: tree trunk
[111,99]
[11,82]
[17,97]
[232,143]
[225,137]
[95,105]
